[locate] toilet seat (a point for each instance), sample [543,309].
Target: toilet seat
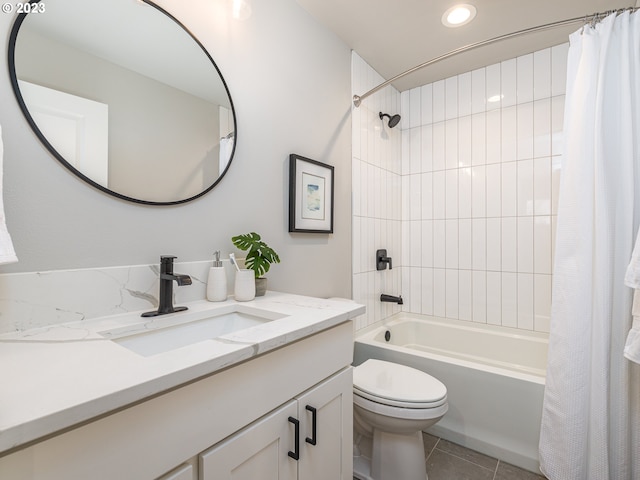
[398,403]
[397,385]
[401,412]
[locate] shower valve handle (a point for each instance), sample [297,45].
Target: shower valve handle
[382,260]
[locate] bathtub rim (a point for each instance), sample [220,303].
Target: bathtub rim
[367,336]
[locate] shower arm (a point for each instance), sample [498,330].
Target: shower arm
[357,99]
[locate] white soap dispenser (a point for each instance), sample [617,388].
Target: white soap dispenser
[217,281]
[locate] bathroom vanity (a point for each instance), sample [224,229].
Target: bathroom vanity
[119,397]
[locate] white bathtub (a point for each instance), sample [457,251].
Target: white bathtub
[494,377]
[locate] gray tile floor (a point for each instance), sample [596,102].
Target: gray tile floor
[448,461]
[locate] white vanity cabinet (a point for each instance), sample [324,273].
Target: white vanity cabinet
[259,451]
[331,455]
[235,411]
[304,439]
[183,472]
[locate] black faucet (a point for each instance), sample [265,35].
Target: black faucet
[167,277]
[390,298]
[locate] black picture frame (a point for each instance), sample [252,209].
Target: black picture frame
[311,194]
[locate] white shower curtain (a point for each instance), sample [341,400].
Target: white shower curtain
[591,416]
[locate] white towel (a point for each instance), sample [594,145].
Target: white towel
[632,347]
[632,277]
[226,148]
[7,253]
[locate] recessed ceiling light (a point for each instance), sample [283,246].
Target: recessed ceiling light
[458,15]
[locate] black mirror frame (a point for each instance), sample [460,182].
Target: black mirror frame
[14,83]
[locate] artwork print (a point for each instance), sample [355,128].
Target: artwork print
[313,199]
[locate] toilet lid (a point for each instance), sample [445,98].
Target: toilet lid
[396,382]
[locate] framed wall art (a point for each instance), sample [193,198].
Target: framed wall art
[310,195]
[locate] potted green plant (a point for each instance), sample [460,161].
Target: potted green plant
[259,258]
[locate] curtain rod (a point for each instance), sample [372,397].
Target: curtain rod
[591,19]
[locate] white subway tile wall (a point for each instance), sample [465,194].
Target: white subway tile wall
[463,194]
[380,155]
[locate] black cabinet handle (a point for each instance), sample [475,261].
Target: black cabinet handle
[296,450]
[313,438]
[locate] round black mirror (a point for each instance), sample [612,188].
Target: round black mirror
[124,96]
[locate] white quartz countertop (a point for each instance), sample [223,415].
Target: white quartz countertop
[56,377]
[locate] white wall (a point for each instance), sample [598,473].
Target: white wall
[480,170]
[290,82]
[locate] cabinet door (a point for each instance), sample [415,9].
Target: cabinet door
[184,472]
[260,451]
[331,402]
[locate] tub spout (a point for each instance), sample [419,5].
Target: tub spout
[390,298]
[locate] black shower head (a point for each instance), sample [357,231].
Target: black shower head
[393,120]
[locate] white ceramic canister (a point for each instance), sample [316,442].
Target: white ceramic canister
[245,285]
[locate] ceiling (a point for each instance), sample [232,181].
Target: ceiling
[396,35]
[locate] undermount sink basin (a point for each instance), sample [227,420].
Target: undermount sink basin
[176,330]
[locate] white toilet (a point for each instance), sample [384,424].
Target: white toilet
[392,404]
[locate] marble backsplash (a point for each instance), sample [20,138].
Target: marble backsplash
[40,299]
